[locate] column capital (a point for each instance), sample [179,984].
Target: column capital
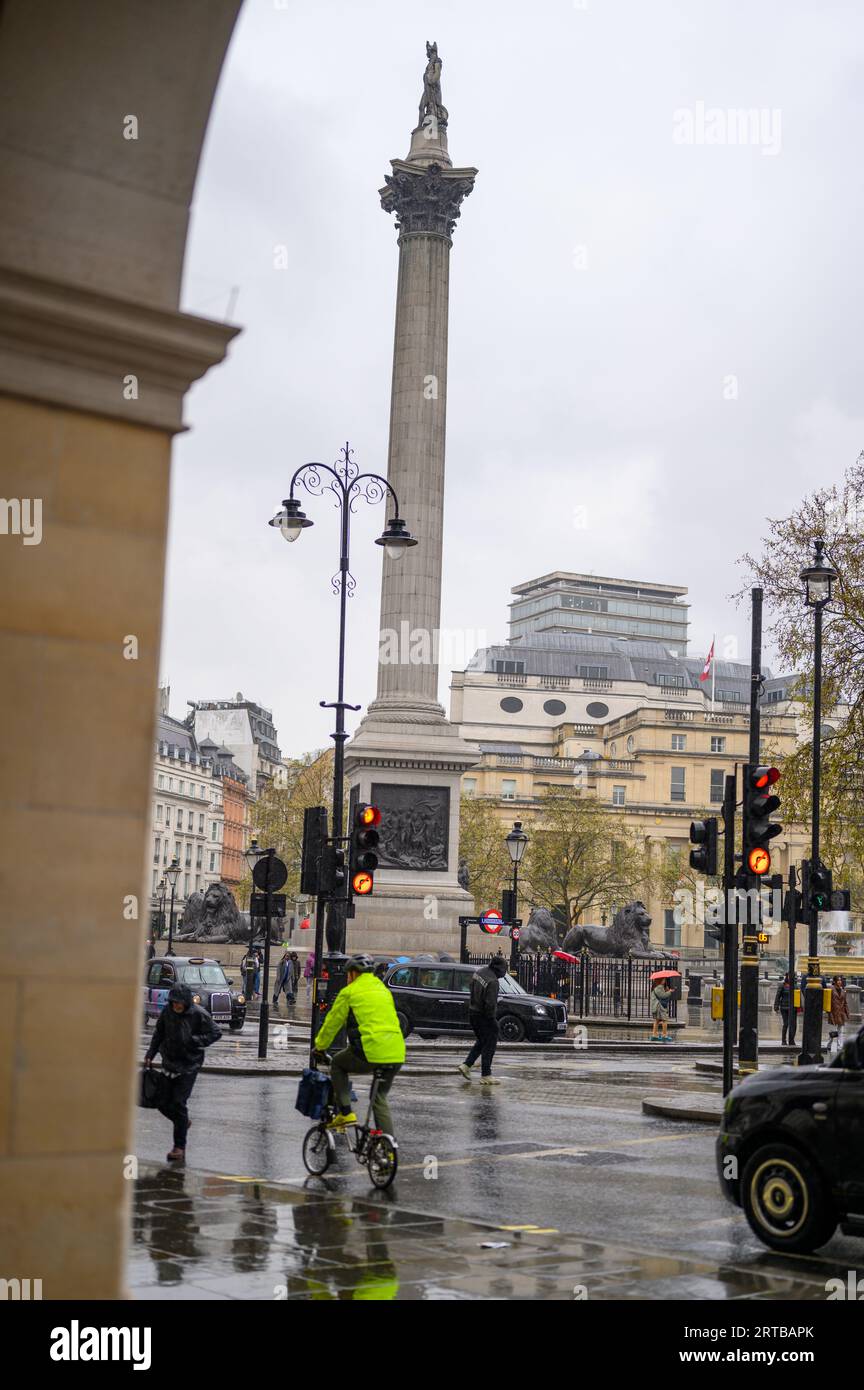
[426,200]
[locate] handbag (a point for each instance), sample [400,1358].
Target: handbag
[153,1089]
[313,1093]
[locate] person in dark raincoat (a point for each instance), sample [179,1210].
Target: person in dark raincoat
[183,1030]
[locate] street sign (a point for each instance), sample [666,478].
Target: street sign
[269,873]
[258,904]
[514,932]
[491,921]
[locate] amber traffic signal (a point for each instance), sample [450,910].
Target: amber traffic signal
[759,804]
[364,849]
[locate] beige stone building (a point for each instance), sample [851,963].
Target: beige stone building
[95,362]
[628,722]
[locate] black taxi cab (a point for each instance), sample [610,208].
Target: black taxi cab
[431,998]
[208,982]
[790,1151]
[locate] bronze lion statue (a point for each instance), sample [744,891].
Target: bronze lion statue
[213,917]
[628,935]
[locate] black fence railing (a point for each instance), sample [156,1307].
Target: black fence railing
[602,986]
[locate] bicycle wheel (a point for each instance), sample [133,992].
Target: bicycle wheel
[383,1159]
[317,1150]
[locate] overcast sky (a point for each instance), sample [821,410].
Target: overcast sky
[655,333]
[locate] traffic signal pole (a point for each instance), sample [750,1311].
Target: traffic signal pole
[748,1035]
[730,932]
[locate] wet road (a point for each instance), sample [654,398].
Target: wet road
[559,1144]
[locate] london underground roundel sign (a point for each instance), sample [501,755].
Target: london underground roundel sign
[491,921]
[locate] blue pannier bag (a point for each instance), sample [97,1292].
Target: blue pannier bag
[313,1093]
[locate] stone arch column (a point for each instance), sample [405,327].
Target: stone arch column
[95,359]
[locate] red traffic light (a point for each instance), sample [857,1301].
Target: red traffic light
[765,777]
[368,816]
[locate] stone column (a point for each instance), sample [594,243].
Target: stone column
[406,756]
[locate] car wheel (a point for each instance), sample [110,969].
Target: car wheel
[511,1028]
[404,1023]
[236,1027]
[785,1200]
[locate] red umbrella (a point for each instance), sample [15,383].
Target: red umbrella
[664,974]
[564,955]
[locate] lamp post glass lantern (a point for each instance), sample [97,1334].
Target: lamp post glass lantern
[349,486]
[817,579]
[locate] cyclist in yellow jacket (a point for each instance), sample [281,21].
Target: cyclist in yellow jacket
[365,1006]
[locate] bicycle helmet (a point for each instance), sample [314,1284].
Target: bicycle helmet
[361,964]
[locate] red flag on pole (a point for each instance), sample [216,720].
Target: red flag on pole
[706,669]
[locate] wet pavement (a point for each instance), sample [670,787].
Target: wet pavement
[562,1145]
[200,1236]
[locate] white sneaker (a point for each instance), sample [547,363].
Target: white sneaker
[465,1070]
[489,1081]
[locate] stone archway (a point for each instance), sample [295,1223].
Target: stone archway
[103,113]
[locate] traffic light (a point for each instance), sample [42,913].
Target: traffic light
[820,887]
[364,846]
[759,803]
[333,877]
[314,839]
[703,834]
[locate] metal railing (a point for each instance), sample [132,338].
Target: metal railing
[599,986]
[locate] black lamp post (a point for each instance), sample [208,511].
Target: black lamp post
[348,485]
[172,873]
[515,842]
[817,579]
[161,889]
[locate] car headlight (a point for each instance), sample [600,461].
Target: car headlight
[241,998]
[196,998]
[540,1009]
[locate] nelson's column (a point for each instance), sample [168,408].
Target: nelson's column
[406,757]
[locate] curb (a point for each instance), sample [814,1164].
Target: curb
[702,1109]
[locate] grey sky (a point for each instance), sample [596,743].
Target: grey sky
[606,282]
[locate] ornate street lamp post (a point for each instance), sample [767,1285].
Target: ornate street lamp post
[172,873]
[817,578]
[348,485]
[161,889]
[515,842]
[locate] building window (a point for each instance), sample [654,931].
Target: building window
[158,811]
[201,823]
[679,743]
[167,815]
[618,795]
[509,668]
[157,850]
[718,743]
[170,784]
[155,876]
[593,673]
[212,863]
[177,850]
[718,782]
[188,856]
[165,853]
[203,791]
[671,928]
[666,678]
[508,788]
[197,884]
[161,780]
[190,821]
[677,792]
[186,885]
[731,697]
[469,786]
[199,857]
[213,829]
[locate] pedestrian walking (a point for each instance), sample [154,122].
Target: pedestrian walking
[309,971]
[294,977]
[662,992]
[482,1015]
[284,975]
[183,1030]
[783,1004]
[839,1013]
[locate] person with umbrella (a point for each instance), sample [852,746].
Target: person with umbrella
[663,990]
